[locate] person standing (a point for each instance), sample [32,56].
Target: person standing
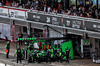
[47,57]
[67,55]
[20,35]
[19,55]
[7,49]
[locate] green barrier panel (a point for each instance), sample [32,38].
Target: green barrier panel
[26,38]
[33,38]
[20,38]
[30,38]
[69,45]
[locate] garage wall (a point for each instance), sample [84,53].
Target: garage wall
[5,30]
[20,23]
[4,20]
[17,28]
[37,26]
[55,34]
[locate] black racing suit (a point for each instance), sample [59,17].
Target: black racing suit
[19,54]
[67,55]
[8,48]
[47,57]
[20,35]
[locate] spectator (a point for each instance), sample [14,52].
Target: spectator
[37,3]
[80,8]
[20,35]
[49,9]
[7,3]
[59,7]
[62,11]
[74,13]
[3,3]
[69,12]
[28,4]
[89,16]
[74,8]
[19,6]
[31,8]
[35,8]
[14,4]
[0,4]
[81,11]
[41,4]
[81,14]
[52,7]
[32,5]
[54,10]
[20,1]
[44,7]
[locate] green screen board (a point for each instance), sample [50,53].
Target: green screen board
[69,45]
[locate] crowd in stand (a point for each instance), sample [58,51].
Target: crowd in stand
[90,12]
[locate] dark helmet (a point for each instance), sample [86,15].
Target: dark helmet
[50,47]
[18,47]
[8,42]
[66,47]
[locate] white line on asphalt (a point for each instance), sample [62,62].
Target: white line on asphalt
[2,64]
